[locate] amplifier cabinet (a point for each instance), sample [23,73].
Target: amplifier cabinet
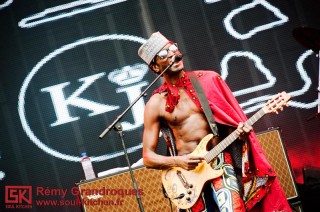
[117,193]
[273,146]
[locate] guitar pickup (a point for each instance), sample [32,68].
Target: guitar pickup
[180,196]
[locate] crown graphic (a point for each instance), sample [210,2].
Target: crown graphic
[128,74]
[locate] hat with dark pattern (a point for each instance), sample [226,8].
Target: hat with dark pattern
[152,46]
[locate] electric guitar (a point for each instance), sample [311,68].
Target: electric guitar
[184,187]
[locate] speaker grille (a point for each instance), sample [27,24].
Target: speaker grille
[275,151]
[148,181]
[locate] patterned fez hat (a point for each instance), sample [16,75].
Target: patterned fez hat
[152,46]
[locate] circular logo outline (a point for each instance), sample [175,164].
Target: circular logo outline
[36,68]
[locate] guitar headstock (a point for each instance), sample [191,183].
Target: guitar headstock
[277,103]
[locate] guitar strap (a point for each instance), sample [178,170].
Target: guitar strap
[204,103]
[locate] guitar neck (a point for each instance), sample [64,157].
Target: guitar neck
[231,138]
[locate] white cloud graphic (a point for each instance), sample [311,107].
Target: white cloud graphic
[258,64]
[230,29]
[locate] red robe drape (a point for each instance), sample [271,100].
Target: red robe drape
[227,111]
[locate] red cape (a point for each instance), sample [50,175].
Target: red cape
[227,110]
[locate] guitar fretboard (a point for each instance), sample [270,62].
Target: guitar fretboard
[231,138]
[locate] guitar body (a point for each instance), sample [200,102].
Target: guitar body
[184,187]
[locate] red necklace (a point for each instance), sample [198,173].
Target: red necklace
[173,94]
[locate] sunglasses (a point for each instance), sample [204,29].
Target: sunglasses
[164,52]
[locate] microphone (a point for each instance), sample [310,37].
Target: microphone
[175,58]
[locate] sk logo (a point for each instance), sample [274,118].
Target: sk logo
[18,195]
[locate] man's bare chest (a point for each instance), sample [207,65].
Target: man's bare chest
[182,111]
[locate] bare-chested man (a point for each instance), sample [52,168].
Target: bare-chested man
[176,103]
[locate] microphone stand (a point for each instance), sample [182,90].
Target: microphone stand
[117,126]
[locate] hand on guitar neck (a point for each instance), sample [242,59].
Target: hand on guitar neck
[243,131]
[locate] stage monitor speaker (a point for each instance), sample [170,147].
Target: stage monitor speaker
[116,192]
[273,146]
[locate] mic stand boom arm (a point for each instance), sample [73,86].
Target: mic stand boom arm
[117,126]
[137,99]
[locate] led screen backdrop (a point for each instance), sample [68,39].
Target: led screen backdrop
[70,68]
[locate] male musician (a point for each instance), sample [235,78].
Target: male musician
[248,181]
